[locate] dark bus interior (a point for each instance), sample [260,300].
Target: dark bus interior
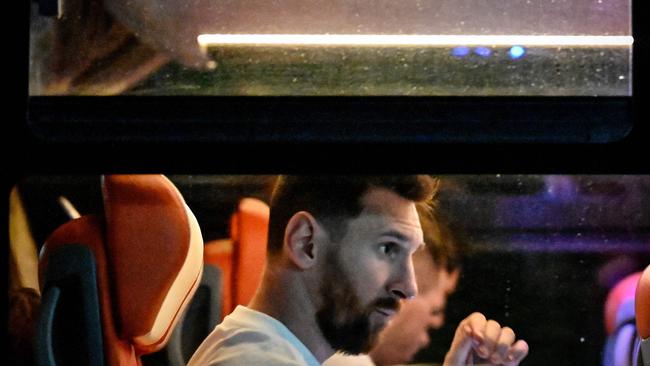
[541,252]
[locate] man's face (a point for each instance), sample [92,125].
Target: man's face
[436,282]
[369,271]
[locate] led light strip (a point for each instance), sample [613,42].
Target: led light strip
[206,40]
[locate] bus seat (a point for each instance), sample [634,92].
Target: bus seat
[114,285]
[219,253]
[619,322]
[196,323]
[249,232]
[642,306]
[241,258]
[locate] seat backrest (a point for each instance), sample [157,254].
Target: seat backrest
[642,306]
[241,258]
[219,254]
[619,322]
[118,282]
[249,233]
[198,320]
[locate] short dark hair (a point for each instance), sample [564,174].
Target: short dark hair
[334,198]
[443,242]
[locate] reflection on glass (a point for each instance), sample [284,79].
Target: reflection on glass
[291,47]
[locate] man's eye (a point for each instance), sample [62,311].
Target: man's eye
[389,249]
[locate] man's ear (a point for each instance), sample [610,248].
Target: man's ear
[452,279]
[299,243]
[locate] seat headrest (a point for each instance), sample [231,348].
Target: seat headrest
[249,231]
[619,306]
[642,305]
[155,252]
[253,215]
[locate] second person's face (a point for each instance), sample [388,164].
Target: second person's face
[435,282]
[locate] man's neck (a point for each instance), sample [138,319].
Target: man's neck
[284,297]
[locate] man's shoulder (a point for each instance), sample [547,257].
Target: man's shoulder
[246,347]
[254,356]
[249,355]
[340,359]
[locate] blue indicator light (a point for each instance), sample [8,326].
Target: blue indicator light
[460,51]
[516,52]
[482,51]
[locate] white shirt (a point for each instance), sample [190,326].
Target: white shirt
[249,337]
[340,359]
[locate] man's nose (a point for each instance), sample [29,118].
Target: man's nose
[438,320]
[404,286]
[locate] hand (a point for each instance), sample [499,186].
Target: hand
[477,337]
[408,332]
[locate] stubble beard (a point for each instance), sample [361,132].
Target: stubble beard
[343,320]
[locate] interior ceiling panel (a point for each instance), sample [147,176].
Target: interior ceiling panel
[550,202]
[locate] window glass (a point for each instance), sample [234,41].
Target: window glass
[342,47]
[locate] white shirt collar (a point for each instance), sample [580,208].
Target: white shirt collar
[256,319]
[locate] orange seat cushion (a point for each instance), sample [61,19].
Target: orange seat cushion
[249,232]
[155,251]
[219,253]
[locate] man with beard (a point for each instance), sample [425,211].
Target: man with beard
[437,269]
[339,261]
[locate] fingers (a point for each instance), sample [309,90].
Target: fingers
[489,341]
[467,335]
[475,324]
[517,352]
[499,346]
[492,332]
[503,345]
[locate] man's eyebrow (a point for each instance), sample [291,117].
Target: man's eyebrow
[395,234]
[401,237]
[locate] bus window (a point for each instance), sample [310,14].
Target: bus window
[351,48]
[556,247]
